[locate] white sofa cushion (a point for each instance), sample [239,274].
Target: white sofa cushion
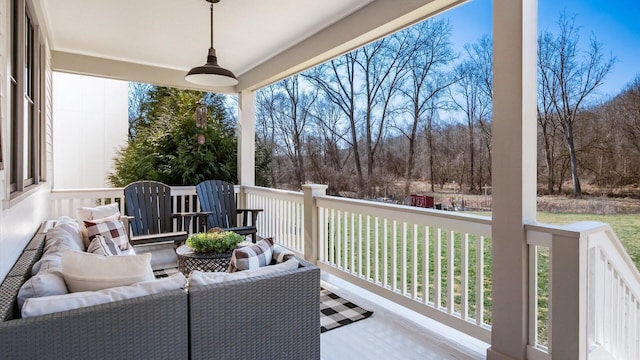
[51,304]
[42,284]
[198,278]
[90,272]
[73,228]
[58,240]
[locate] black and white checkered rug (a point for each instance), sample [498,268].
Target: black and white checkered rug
[336,311]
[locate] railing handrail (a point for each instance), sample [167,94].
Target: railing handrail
[59,193]
[447,219]
[284,194]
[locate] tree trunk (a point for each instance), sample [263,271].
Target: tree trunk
[412,151]
[577,190]
[431,148]
[472,177]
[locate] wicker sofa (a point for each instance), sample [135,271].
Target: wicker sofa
[264,317]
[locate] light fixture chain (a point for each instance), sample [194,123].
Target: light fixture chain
[211,24]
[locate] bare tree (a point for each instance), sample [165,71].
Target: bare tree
[336,79]
[629,109]
[295,107]
[574,74]
[327,147]
[548,124]
[472,95]
[266,110]
[429,54]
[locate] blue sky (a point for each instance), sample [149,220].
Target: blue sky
[615,24]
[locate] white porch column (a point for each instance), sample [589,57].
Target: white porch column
[246,138]
[514,171]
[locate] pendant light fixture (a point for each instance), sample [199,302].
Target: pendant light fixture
[211,74]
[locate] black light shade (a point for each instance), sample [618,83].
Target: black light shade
[211,74]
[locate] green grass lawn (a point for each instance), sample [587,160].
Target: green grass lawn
[626,226]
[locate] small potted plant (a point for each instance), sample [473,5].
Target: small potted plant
[215,241]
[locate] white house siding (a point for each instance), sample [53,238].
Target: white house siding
[20,219]
[91,124]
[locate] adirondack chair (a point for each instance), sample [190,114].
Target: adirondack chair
[148,205]
[218,198]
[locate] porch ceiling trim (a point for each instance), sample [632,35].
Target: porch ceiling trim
[375,20]
[372,22]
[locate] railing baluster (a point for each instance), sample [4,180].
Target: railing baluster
[360,245]
[345,241]
[464,277]
[480,280]
[376,250]
[450,270]
[394,256]
[352,257]
[332,243]
[425,265]
[414,263]
[437,268]
[385,252]
[403,270]
[322,235]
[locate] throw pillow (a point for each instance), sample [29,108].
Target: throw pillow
[98,212]
[199,278]
[51,304]
[251,257]
[90,272]
[110,228]
[72,228]
[103,246]
[281,254]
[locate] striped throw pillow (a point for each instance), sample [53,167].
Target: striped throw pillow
[103,246]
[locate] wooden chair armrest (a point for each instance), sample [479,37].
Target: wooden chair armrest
[254,215]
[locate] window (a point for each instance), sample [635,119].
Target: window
[25,93]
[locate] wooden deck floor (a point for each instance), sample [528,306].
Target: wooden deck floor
[392,332]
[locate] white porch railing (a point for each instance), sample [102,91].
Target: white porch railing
[584,294]
[66,202]
[282,217]
[432,262]
[584,289]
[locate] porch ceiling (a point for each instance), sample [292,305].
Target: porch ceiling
[158,41]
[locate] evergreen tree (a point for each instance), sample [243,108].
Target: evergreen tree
[164,145]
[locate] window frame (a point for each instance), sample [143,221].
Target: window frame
[27,117]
